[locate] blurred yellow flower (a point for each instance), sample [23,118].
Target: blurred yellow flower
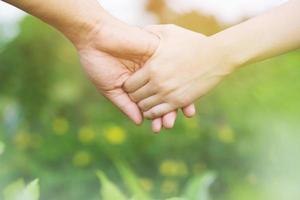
[173,168]
[66,91]
[169,186]
[226,134]
[86,135]
[115,135]
[2,147]
[82,159]
[22,140]
[146,184]
[60,126]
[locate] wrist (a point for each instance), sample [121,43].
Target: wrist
[229,48]
[76,19]
[81,31]
[223,61]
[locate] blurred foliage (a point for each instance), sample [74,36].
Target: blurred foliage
[18,191]
[197,187]
[55,126]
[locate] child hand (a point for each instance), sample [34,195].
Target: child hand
[185,66]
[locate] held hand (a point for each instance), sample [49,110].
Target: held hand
[185,67]
[109,58]
[112,54]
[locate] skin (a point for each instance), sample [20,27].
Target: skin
[187,65]
[110,51]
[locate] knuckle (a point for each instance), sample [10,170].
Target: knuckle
[160,86]
[167,86]
[156,84]
[181,101]
[152,113]
[126,86]
[143,106]
[164,88]
[133,97]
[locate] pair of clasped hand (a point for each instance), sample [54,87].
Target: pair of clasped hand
[154,71]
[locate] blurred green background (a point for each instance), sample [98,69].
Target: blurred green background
[56,127]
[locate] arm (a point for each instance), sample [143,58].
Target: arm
[76,19]
[110,51]
[187,65]
[270,34]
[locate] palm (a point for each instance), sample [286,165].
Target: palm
[108,73]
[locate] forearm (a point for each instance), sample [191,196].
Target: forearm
[265,36]
[74,18]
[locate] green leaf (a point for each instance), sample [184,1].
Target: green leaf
[18,191]
[176,198]
[198,187]
[131,181]
[13,190]
[108,190]
[32,191]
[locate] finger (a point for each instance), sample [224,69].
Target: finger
[123,102]
[149,102]
[136,81]
[189,111]
[169,119]
[142,93]
[157,125]
[158,111]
